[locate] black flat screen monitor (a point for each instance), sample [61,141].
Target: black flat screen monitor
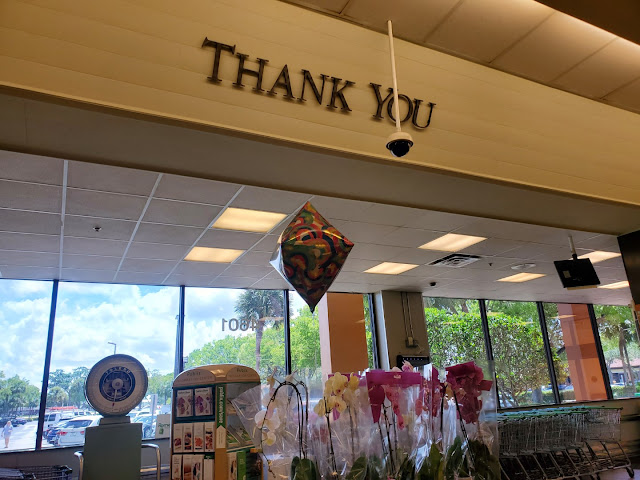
[578,273]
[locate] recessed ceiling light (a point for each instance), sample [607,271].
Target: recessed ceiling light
[599,256]
[521,277]
[615,285]
[248,220]
[215,255]
[390,268]
[452,242]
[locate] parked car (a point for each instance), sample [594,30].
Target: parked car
[19,421]
[73,433]
[148,424]
[50,433]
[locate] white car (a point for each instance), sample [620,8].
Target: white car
[74,430]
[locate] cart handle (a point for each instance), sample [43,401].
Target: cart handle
[81,460]
[158,465]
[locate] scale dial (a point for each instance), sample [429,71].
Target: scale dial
[115,385]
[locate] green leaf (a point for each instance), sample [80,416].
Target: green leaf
[305,469]
[358,470]
[294,464]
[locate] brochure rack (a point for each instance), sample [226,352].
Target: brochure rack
[208,440]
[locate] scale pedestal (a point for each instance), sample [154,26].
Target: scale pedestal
[112,450]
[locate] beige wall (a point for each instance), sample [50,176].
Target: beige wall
[147,57]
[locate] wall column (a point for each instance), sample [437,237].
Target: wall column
[630,249]
[582,353]
[343,341]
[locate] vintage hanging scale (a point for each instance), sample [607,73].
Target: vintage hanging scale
[114,386]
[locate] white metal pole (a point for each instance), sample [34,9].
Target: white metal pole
[396,103]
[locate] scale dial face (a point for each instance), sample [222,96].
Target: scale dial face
[116,384]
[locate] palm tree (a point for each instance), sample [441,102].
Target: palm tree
[259,306]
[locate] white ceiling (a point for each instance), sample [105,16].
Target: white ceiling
[521,37]
[49,209]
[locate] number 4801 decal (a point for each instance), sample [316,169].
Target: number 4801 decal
[244,324]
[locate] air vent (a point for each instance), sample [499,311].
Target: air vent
[455,260]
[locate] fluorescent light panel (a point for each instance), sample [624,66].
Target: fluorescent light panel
[612,286]
[390,268]
[599,256]
[214,255]
[521,277]
[452,242]
[248,220]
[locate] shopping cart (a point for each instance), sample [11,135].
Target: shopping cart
[56,472]
[602,439]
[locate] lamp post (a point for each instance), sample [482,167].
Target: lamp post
[114,346]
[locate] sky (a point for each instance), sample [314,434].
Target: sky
[140,320]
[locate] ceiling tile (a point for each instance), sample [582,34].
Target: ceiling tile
[338,208]
[106,178]
[260,259]
[81,275]
[94,246]
[247,271]
[109,229]
[173,212]
[408,237]
[626,97]
[363,232]
[170,234]
[189,280]
[412,19]
[232,282]
[356,265]
[147,266]
[189,189]
[28,273]
[201,268]
[491,246]
[30,196]
[29,222]
[30,168]
[90,262]
[229,239]
[269,200]
[267,244]
[157,251]
[440,221]
[488,263]
[270,284]
[390,215]
[528,251]
[106,205]
[30,242]
[138,278]
[418,256]
[34,259]
[603,72]
[600,242]
[553,48]
[381,253]
[482,30]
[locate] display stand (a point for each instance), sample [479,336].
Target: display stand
[208,440]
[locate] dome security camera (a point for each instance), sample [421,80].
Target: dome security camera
[399,144]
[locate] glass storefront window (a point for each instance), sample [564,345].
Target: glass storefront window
[24,322]
[93,320]
[235,326]
[454,330]
[574,352]
[368,325]
[619,339]
[306,360]
[518,350]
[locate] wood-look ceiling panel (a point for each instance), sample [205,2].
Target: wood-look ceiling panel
[482,30]
[556,46]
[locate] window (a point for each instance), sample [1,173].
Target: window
[619,339]
[574,352]
[518,350]
[454,330]
[24,322]
[368,325]
[235,326]
[93,321]
[305,345]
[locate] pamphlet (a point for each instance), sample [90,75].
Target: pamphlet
[187,443]
[203,402]
[198,437]
[196,466]
[178,433]
[232,465]
[176,467]
[184,403]
[186,467]
[208,469]
[209,429]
